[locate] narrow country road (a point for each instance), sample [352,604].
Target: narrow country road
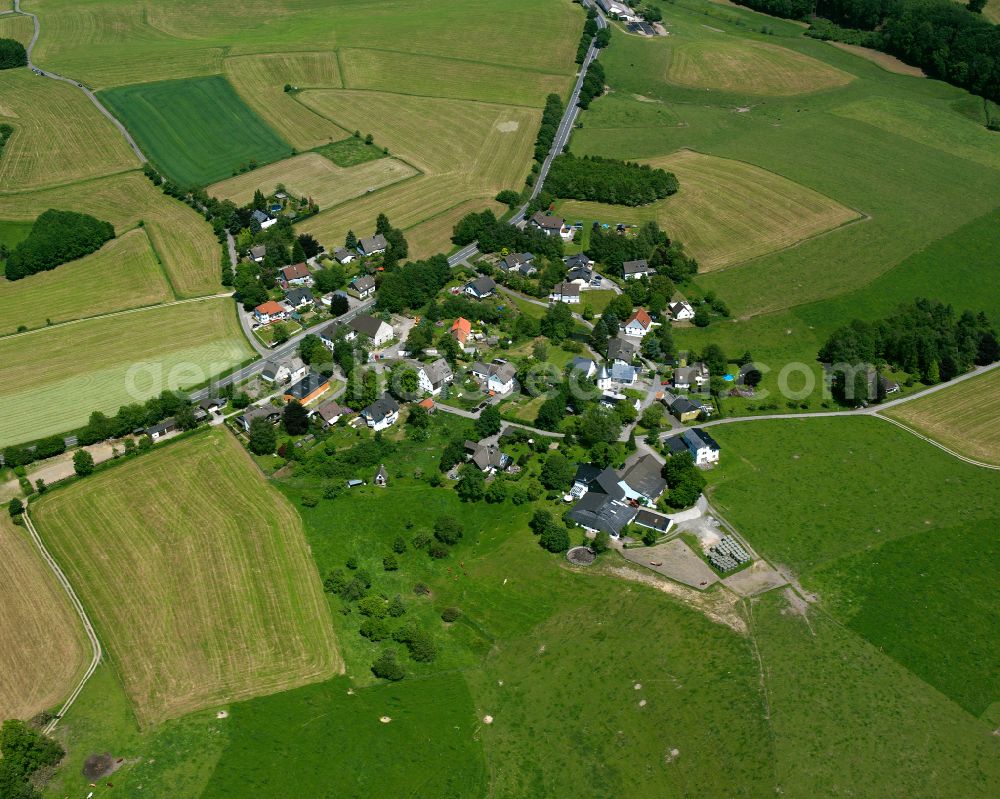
[90,95]
[95,643]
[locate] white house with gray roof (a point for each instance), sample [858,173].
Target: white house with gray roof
[373,245]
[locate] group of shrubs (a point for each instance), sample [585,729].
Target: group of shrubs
[56,238]
[608,180]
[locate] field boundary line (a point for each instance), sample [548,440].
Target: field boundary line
[95,644]
[516,67]
[428,97]
[937,444]
[117,313]
[159,260]
[51,186]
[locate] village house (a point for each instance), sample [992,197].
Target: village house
[295,275]
[482,287]
[286,370]
[551,225]
[682,409]
[578,261]
[584,365]
[257,253]
[270,311]
[638,324]
[633,270]
[565,292]
[263,219]
[680,311]
[310,387]
[373,245]
[642,481]
[617,376]
[586,277]
[487,457]
[460,330]
[212,405]
[379,332]
[613,399]
[299,298]
[381,476]
[330,412]
[268,412]
[694,377]
[433,377]
[622,350]
[602,505]
[158,431]
[521,262]
[496,377]
[703,448]
[344,255]
[382,413]
[362,287]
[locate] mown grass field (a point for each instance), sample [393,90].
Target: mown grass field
[844,504]
[881,144]
[42,645]
[965,417]
[58,135]
[181,238]
[465,150]
[196,131]
[51,380]
[124,273]
[16,26]
[312,175]
[261,79]
[182,637]
[726,212]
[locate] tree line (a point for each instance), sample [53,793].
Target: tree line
[551,115]
[925,338]
[947,40]
[56,238]
[608,180]
[593,84]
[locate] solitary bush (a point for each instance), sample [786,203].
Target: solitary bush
[448,530]
[421,540]
[372,606]
[437,550]
[389,563]
[374,629]
[396,607]
[386,667]
[450,614]
[399,545]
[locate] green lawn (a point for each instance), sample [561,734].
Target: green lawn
[12,234]
[196,131]
[350,152]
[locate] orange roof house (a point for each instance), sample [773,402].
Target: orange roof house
[268,311]
[461,329]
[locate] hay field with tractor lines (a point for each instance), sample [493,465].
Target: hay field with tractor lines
[726,211]
[312,175]
[16,26]
[204,590]
[965,418]
[43,648]
[58,136]
[124,273]
[101,364]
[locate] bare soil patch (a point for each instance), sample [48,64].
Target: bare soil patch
[887,62]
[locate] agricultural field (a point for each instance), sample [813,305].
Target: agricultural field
[856,527]
[312,175]
[965,417]
[123,274]
[879,145]
[726,212]
[16,26]
[465,150]
[261,80]
[42,642]
[195,131]
[432,235]
[182,638]
[101,364]
[58,136]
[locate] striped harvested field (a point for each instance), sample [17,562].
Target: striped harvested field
[203,590]
[466,150]
[431,236]
[727,212]
[181,238]
[16,26]
[58,134]
[312,175]
[260,81]
[43,648]
[747,67]
[51,379]
[124,273]
[965,417]
[436,76]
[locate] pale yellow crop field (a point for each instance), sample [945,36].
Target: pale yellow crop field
[42,644]
[124,273]
[312,175]
[204,589]
[726,211]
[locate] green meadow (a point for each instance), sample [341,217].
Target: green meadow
[196,131]
[905,152]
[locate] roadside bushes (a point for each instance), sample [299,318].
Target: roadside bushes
[593,84]
[608,180]
[550,124]
[55,238]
